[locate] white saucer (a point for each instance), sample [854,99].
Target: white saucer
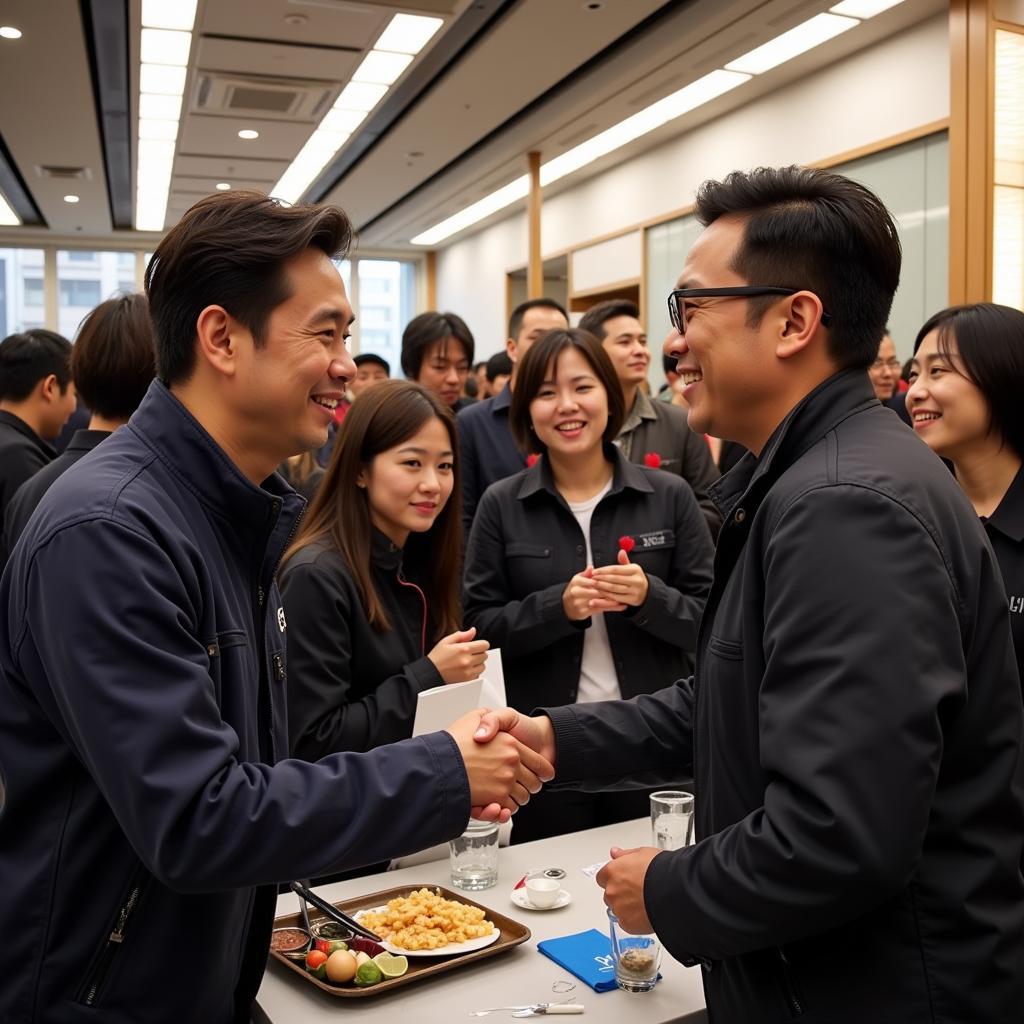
[521,898]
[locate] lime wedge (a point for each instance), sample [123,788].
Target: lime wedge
[391,966]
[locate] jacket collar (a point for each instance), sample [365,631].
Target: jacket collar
[820,411]
[86,440]
[642,410]
[625,476]
[1008,518]
[176,437]
[17,424]
[502,400]
[384,552]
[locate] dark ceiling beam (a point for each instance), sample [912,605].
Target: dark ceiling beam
[14,189]
[105,24]
[456,41]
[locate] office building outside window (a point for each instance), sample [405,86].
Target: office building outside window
[85,279]
[21,290]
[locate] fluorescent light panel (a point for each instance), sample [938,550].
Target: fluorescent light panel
[804,37]
[8,218]
[404,37]
[166,40]
[408,33]
[173,14]
[506,196]
[381,68]
[863,9]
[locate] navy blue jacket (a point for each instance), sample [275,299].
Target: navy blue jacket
[142,719]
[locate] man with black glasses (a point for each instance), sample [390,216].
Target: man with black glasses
[860,818]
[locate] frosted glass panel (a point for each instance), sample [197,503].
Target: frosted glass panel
[913,182]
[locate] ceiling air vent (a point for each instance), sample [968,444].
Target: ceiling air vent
[273,99]
[64,173]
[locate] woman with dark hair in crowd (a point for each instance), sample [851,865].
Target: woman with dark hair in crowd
[370,585]
[965,401]
[437,352]
[589,572]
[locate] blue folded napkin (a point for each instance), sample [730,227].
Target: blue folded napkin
[587,954]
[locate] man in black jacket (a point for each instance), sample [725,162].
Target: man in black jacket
[860,817]
[36,399]
[653,434]
[112,365]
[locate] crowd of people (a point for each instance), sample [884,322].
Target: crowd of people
[758,582]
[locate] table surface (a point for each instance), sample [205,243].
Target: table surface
[520,976]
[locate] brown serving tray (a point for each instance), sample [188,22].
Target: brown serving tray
[512,934]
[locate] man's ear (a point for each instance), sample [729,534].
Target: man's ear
[49,388]
[217,333]
[510,348]
[800,324]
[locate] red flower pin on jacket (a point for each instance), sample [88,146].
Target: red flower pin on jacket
[652,460]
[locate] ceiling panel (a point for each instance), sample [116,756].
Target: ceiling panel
[314,22]
[331,63]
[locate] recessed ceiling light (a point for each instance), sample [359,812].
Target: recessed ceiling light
[248,133]
[162,46]
[863,8]
[162,79]
[222,186]
[360,96]
[381,68]
[71,199]
[156,128]
[10,32]
[160,108]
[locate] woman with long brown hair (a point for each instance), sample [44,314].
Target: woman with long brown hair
[370,585]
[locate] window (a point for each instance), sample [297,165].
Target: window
[85,279]
[33,295]
[387,302]
[21,277]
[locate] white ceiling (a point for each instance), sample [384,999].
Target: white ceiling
[544,74]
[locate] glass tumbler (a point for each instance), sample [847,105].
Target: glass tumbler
[671,819]
[636,957]
[474,856]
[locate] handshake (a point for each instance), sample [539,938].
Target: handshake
[508,756]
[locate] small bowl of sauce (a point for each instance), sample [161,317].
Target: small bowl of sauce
[328,929]
[290,942]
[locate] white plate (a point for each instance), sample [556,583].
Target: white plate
[452,949]
[521,898]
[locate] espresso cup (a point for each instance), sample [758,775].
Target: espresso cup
[543,892]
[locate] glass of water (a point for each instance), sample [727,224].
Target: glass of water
[672,819]
[474,856]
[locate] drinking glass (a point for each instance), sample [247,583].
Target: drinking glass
[636,957]
[671,819]
[474,856]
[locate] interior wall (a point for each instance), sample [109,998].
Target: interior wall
[893,87]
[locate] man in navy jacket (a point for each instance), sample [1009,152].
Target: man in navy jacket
[860,817]
[151,806]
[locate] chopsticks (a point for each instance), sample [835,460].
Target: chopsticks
[333,912]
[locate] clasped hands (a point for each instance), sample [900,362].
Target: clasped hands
[508,757]
[606,588]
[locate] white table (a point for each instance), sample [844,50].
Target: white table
[520,976]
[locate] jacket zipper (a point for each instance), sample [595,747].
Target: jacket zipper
[423,597]
[99,973]
[796,1008]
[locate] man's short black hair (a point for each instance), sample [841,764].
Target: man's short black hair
[230,250]
[594,319]
[669,364]
[114,358]
[424,330]
[372,357]
[499,365]
[29,357]
[816,230]
[515,321]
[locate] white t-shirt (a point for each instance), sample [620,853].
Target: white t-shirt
[598,680]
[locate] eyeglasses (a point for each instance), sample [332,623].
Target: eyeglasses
[677,300]
[893,364]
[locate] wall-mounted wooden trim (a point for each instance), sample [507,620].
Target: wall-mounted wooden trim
[606,237]
[972,83]
[871,148]
[611,286]
[534,265]
[430,265]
